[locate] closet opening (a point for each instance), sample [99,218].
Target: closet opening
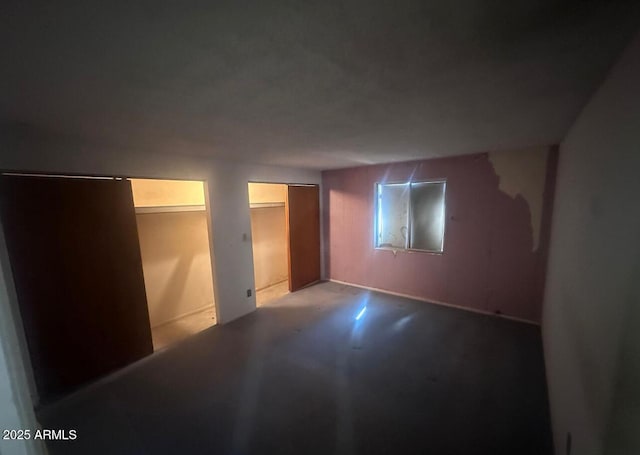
[173,231]
[285,237]
[267,203]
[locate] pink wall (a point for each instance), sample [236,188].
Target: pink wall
[488,263]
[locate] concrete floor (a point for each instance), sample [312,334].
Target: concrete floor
[302,376]
[174,331]
[266,295]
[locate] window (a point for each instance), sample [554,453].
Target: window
[410,216]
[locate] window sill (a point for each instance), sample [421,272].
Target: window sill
[408,250]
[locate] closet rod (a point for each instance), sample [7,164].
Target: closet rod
[265,205]
[170,209]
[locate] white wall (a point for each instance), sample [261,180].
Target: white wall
[260,193]
[176,263]
[26,149]
[174,246]
[228,192]
[155,193]
[591,323]
[269,240]
[269,234]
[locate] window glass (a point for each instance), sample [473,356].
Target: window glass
[410,216]
[427,216]
[393,215]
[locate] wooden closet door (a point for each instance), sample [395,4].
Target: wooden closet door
[74,252]
[303,223]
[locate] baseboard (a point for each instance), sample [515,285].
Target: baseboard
[437,302]
[310,284]
[184,315]
[272,284]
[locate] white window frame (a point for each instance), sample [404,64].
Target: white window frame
[377,217]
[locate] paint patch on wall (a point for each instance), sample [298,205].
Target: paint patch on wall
[523,173]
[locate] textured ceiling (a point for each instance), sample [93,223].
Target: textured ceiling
[310,84]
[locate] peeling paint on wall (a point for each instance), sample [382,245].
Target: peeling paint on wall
[487,264]
[523,173]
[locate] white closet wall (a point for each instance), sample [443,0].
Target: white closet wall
[174,245]
[269,233]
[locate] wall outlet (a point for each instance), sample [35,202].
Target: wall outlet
[248,292]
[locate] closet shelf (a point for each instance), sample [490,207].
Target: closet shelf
[266,205]
[171,209]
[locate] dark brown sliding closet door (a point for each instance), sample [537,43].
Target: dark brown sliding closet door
[75,258]
[303,222]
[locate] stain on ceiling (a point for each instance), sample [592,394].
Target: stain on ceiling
[314,84]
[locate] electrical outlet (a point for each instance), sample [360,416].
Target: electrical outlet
[248,292]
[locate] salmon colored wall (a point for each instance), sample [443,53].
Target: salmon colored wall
[492,260]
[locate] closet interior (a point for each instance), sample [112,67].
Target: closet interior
[268,208]
[173,230]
